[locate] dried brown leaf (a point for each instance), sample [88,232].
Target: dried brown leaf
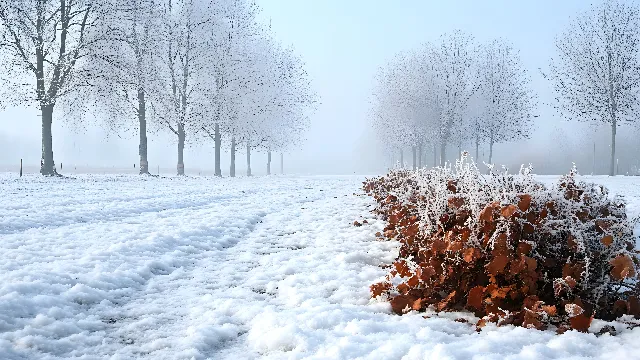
[525,202]
[573,310]
[455,202]
[474,299]
[622,267]
[508,211]
[496,266]
[581,322]
[607,240]
[401,303]
[550,310]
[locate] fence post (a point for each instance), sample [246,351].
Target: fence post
[20,167]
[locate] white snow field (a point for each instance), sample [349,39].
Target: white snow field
[128,267]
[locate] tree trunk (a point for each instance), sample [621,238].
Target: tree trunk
[613,148]
[420,155]
[281,163]
[593,172]
[435,155]
[232,167]
[47,166]
[248,159]
[443,153]
[142,147]
[269,162]
[613,108]
[491,150]
[425,155]
[218,144]
[413,152]
[181,137]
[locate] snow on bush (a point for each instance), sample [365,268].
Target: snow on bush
[507,247]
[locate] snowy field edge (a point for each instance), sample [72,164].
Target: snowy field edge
[125,267]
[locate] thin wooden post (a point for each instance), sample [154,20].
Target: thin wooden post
[20,167]
[269,162]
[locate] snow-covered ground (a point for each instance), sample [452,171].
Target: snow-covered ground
[124,267]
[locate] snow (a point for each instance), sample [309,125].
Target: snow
[126,267]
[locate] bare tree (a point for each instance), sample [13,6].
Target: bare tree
[287,101]
[188,25]
[452,60]
[389,114]
[266,94]
[505,99]
[49,40]
[241,95]
[234,28]
[596,73]
[133,61]
[407,109]
[419,102]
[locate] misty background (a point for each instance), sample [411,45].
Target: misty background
[344,43]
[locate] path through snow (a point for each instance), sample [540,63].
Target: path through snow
[123,267]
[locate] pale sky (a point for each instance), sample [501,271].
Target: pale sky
[343,44]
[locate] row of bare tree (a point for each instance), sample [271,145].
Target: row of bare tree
[453,92]
[200,69]
[596,72]
[457,92]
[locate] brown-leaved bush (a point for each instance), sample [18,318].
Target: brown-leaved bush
[507,247]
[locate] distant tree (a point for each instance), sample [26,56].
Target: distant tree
[405,105]
[392,105]
[51,41]
[288,101]
[383,110]
[273,110]
[235,27]
[252,104]
[452,60]
[421,104]
[240,99]
[596,73]
[505,96]
[186,35]
[430,97]
[475,120]
[133,60]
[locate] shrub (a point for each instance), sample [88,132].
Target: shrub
[507,247]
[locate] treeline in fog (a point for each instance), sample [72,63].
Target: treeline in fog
[457,94]
[202,70]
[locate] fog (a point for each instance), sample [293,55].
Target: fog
[343,44]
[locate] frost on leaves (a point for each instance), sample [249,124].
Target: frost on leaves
[507,247]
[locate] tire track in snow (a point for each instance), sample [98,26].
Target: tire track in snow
[77,289]
[290,274]
[61,212]
[218,280]
[156,306]
[76,275]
